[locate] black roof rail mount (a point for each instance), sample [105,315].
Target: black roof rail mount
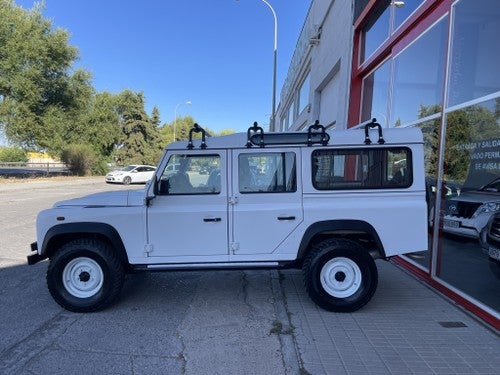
[371,125]
[316,134]
[256,130]
[317,129]
[197,129]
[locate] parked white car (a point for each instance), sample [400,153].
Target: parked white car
[131,174]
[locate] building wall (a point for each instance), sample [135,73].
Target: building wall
[317,85]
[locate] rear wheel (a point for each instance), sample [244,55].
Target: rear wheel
[85,275]
[339,275]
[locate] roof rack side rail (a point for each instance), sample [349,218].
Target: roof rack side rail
[371,125]
[252,130]
[197,129]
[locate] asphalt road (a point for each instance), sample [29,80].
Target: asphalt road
[224,322]
[170,323]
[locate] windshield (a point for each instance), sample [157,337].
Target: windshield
[493,186]
[128,168]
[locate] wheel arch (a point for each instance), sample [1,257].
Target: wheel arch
[352,229]
[63,233]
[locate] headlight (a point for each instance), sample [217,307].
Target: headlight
[486,208]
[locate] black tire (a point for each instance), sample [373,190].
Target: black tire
[127,180]
[85,275]
[349,277]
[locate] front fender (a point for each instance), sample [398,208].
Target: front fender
[61,233]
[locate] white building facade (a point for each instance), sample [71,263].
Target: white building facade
[318,80]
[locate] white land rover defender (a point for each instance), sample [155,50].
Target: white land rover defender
[327,202]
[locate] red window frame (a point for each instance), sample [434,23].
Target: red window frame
[426,15]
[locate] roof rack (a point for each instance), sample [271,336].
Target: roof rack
[316,134]
[197,129]
[371,125]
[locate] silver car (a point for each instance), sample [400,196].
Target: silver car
[468,214]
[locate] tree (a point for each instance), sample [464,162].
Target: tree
[140,138]
[40,100]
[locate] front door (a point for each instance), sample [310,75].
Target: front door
[188,218]
[266,199]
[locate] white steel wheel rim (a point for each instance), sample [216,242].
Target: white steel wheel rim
[83,277]
[341,277]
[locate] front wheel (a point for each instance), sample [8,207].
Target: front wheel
[339,275]
[127,180]
[85,275]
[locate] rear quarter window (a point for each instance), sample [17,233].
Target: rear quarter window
[364,168]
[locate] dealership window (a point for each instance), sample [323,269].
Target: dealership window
[441,74]
[376,94]
[304,94]
[413,79]
[470,196]
[475,56]
[290,117]
[418,76]
[386,19]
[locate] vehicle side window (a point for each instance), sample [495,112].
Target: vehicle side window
[372,168]
[267,173]
[191,174]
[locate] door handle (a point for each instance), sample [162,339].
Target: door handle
[286,217]
[212,219]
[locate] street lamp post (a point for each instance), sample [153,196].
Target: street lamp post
[175,115]
[273,112]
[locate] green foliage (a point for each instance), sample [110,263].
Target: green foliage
[39,95]
[79,158]
[140,141]
[12,154]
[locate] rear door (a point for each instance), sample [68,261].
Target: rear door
[266,199]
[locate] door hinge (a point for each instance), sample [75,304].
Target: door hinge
[233,200]
[148,249]
[235,246]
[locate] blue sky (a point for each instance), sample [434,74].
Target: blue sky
[218,54]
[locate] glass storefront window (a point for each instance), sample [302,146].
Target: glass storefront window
[377,30]
[418,77]
[475,55]
[403,9]
[472,174]
[375,94]
[290,116]
[390,15]
[304,94]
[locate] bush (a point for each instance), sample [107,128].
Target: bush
[13,154]
[80,159]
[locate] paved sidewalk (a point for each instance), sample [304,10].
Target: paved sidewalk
[405,329]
